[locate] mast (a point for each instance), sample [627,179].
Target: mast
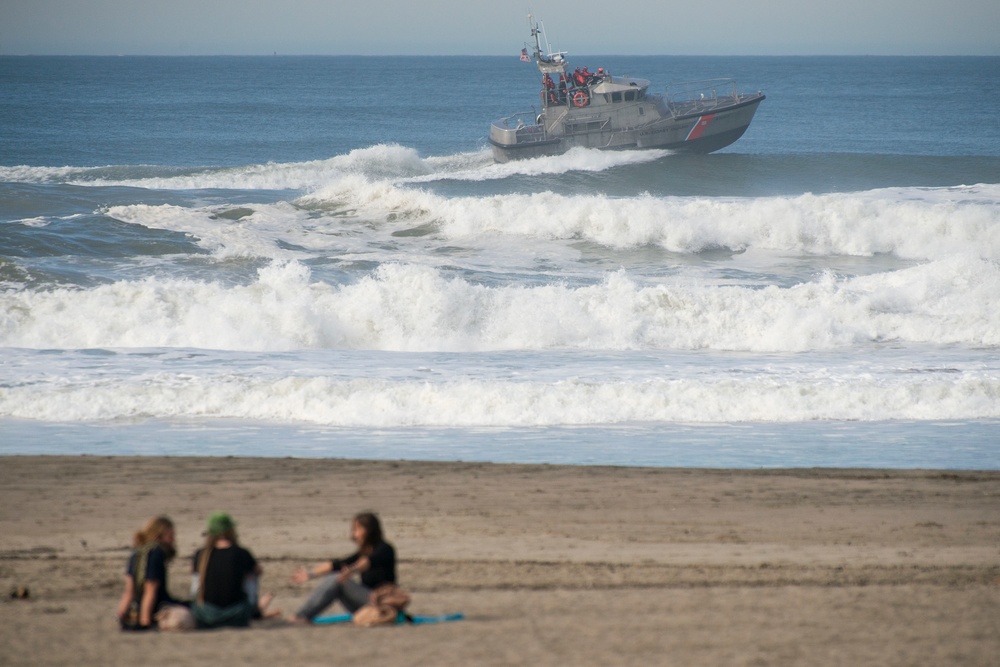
[534,33]
[548,62]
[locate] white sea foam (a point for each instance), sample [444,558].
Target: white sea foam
[390,162]
[30,174]
[466,402]
[37,221]
[862,224]
[577,159]
[384,161]
[409,307]
[913,224]
[257,232]
[378,162]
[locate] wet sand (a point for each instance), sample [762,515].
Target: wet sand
[551,565]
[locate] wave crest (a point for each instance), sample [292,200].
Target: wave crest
[409,307]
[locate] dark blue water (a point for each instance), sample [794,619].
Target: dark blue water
[222,111]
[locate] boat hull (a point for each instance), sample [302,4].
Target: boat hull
[688,133]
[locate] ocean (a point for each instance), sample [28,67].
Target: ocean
[317,256]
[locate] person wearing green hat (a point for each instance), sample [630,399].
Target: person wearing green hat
[224,578]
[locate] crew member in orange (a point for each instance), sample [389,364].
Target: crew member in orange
[550,89]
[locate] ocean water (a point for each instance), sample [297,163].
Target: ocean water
[291,256]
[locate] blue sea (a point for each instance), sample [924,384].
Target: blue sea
[317,256]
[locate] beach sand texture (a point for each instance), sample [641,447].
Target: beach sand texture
[551,565]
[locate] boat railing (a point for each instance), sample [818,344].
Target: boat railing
[520,128]
[695,96]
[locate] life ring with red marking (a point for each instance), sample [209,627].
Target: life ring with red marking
[581,98]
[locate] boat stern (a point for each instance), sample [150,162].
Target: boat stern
[517,137]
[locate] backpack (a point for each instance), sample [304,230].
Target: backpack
[385,606]
[131,620]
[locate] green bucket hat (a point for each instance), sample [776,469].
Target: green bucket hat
[219,523]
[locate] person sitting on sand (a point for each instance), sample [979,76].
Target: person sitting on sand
[225,579]
[374,561]
[146,591]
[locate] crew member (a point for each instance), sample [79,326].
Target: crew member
[550,89]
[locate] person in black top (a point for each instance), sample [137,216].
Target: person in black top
[146,591]
[374,562]
[224,577]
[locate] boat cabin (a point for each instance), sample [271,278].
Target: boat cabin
[616,90]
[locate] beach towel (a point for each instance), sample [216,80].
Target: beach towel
[334,619]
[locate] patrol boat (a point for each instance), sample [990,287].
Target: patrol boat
[599,110]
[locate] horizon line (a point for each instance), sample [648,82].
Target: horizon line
[275,54]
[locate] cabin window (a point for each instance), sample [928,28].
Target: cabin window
[616,97]
[630,96]
[585,127]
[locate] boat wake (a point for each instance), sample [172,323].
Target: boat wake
[388,162]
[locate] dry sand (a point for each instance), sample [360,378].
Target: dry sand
[551,565]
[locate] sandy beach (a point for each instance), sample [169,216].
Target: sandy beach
[551,565]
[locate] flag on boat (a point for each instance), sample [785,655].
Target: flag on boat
[524,56]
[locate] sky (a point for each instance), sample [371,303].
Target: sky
[475,27]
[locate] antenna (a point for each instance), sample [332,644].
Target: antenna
[548,61]
[548,47]
[533,27]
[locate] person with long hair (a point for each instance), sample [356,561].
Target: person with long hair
[350,580]
[146,590]
[225,579]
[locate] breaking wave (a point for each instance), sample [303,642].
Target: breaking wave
[384,403]
[411,307]
[916,224]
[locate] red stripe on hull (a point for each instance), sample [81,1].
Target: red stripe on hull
[699,127]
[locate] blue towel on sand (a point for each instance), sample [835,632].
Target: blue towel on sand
[416,620]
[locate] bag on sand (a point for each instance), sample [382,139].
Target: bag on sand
[175,617]
[384,606]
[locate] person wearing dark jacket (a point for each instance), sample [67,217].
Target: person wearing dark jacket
[350,580]
[146,592]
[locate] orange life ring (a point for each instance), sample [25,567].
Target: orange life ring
[581,98]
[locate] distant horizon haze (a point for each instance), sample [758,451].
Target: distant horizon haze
[448,27]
